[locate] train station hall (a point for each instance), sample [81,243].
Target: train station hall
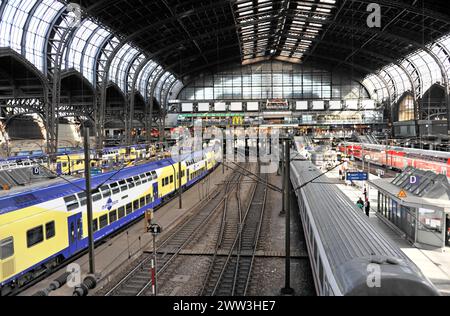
[227,155]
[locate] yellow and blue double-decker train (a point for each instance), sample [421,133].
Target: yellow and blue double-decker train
[41,228]
[72,163]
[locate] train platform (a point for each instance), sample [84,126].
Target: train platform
[121,250]
[434,264]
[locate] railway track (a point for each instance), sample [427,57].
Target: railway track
[138,281]
[230,275]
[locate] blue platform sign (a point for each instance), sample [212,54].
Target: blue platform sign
[357,176]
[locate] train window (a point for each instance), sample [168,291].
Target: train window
[149,176]
[96,196]
[82,198]
[71,203]
[137,181]
[95,225]
[129,208]
[130,183]
[143,178]
[115,188]
[50,230]
[6,248]
[112,216]
[121,212]
[136,205]
[142,202]
[123,185]
[148,199]
[105,191]
[155,175]
[35,236]
[103,221]
[171,179]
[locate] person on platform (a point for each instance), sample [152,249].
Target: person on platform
[367,206]
[360,204]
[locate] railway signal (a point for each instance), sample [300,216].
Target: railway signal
[155,230]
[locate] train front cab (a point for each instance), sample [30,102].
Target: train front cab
[29,244]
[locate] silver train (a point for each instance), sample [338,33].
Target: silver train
[348,256]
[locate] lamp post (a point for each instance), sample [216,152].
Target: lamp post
[87,168]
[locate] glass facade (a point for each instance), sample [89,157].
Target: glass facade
[406,110]
[402,217]
[420,225]
[274,80]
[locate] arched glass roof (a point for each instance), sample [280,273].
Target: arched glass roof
[28,22]
[40,24]
[120,65]
[26,27]
[421,67]
[144,77]
[442,50]
[376,88]
[83,49]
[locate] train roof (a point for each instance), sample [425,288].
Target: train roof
[30,197]
[54,190]
[422,152]
[351,242]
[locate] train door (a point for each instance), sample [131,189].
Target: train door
[155,191]
[75,233]
[59,169]
[188,175]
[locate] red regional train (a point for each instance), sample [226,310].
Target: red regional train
[400,158]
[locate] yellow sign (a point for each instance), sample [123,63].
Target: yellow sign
[402,194]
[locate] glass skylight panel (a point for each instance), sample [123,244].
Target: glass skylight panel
[144,76]
[442,50]
[37,31]
[428,68]
[307,23]
[120,66]
[13,22]
[421,67]
[159,85]
[133,69]
[84,47]
[376,88]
